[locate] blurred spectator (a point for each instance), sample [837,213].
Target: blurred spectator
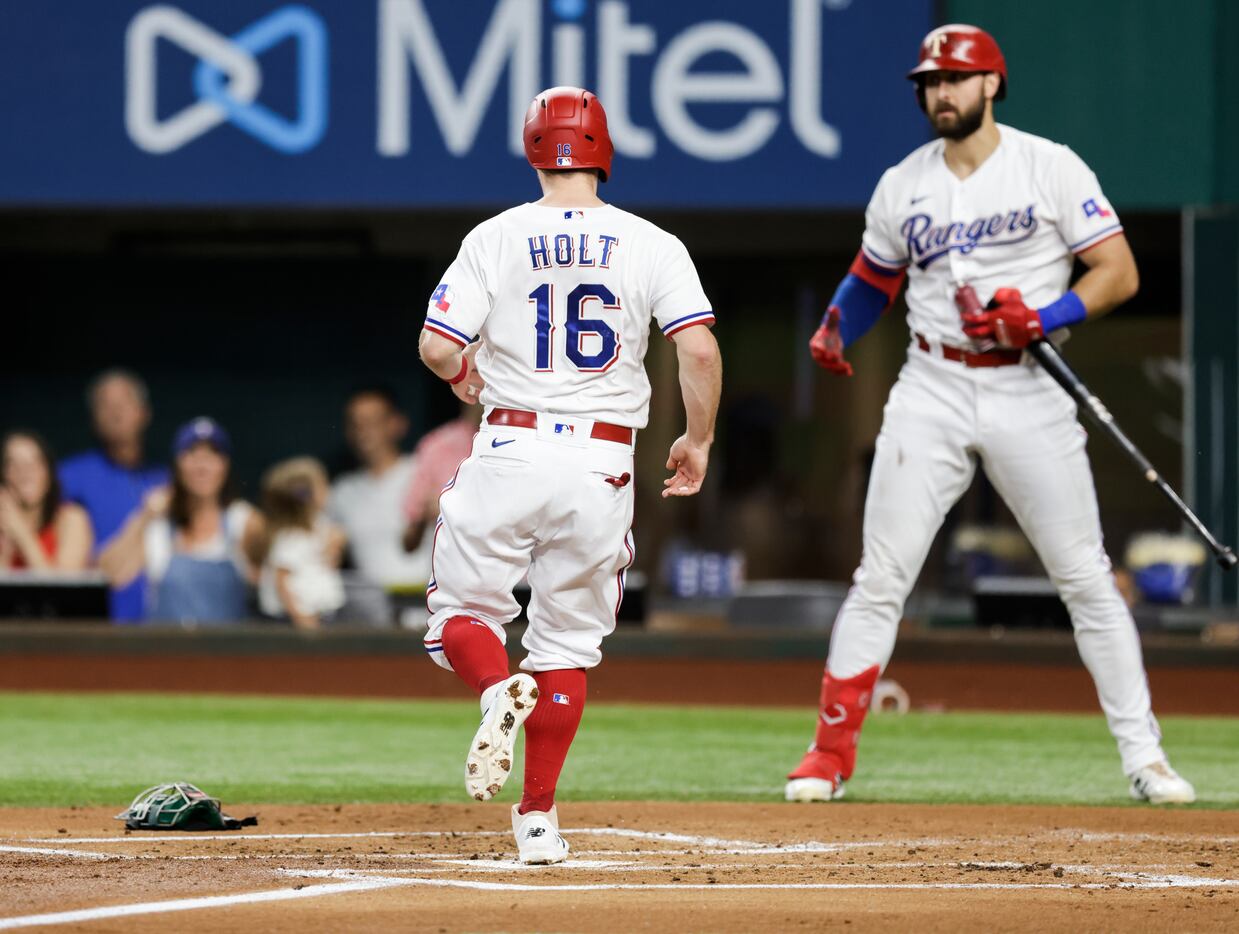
[435,460]
[367,503]
[192,539]
[111,480]
[300,578]
[37,529]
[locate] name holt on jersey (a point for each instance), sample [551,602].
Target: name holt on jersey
[564,250]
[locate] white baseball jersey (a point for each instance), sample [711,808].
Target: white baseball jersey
[1016,221]
[562,301]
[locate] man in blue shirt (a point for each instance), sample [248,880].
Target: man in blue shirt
[110,481]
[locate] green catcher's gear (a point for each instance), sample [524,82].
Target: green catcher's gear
[179,806]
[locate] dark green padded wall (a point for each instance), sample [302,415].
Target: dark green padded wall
[1212,452]
[1145,91]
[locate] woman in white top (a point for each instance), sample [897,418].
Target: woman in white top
[300,578]
[193,538]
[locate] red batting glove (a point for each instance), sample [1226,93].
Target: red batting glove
[1006,320]
[826,345]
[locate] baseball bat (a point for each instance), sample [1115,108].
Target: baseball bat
[1046,354]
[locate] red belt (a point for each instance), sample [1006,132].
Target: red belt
[517,419]
[969,358]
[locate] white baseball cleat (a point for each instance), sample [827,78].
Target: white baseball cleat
[814,789]
[1158,783]
[537,836]
[504,708]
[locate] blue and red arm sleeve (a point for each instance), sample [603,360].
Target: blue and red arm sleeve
[865,292]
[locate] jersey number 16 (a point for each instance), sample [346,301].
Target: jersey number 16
[576,327]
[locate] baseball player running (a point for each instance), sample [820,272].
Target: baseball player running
[1006,212]
[558,294]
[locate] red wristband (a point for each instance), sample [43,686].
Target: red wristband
[464,371]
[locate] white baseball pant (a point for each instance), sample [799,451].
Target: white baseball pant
[1023,427]
[536,502]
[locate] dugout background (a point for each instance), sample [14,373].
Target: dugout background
[267,321]
[266,318]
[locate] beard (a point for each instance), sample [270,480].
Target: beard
[964,125]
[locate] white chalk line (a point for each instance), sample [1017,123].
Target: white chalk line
[48,851]
[463,864]
[462,858]
[572,865]
[168,837]
[1152,882]
[194,904]
[739,847]
[456,862]
[714,844]
[171,837]
[1106,836]
[356,880]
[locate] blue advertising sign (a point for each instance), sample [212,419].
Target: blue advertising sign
[420,103]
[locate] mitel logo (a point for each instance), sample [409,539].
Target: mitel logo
[764,85]
[226,80]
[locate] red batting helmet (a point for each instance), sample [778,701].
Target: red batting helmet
[959,47]
[566,128]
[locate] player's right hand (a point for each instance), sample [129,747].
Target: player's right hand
[689,461]
[826,345]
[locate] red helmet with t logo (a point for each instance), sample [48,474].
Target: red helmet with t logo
[959,47]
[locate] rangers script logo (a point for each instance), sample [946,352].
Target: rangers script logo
[927,243]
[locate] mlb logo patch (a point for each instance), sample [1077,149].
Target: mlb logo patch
[561,429]
[569,215]
[439,297]
[560,698]
[563,162]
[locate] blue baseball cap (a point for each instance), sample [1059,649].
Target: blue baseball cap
[200,430]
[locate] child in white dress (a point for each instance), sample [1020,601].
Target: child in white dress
[300,578]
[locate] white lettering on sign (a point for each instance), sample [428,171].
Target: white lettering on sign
[512,36]
[512,40]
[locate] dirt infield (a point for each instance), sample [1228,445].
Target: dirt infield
[932,685]
[635,866]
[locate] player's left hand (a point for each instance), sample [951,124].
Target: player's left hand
[1006,320]
[469,389]
[689,462]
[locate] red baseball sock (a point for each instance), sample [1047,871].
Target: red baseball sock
[841,711]
[549,732]
[475,652]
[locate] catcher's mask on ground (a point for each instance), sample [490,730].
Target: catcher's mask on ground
[179,806]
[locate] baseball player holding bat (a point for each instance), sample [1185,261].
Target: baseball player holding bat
[559,295]
[1007,212]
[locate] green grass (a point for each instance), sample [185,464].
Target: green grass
[59,749]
